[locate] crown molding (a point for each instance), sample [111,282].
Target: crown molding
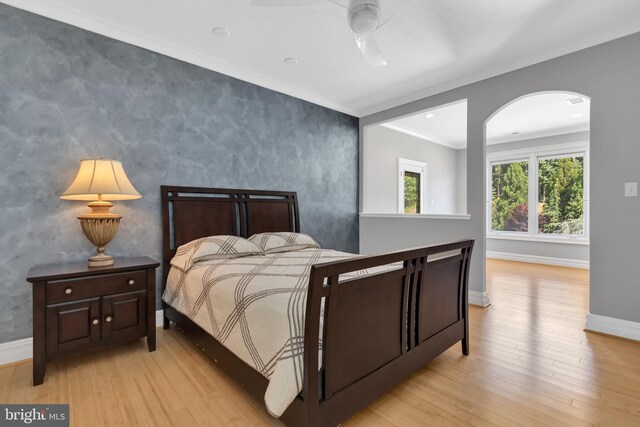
[417,135]
[547,55]
[108,29]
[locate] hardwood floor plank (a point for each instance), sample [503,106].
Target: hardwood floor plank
[251,412]
[6,375]
[20,387]
[107,411]
[134,407]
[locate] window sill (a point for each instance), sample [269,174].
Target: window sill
[560,240]
[415,216]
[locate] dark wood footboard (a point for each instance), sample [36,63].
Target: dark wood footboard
[379,329]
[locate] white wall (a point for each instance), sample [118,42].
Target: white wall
[384,146]
[567,251]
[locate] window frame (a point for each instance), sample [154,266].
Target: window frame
[413,166]
[499,160]
[533,156]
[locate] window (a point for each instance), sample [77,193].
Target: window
[561,195]
[510,196]
[411,186]
[539,193]
[411,192]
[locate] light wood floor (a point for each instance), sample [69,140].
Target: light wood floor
[530,364]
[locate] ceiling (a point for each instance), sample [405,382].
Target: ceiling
[446,125]
[533,116]
[540,115]
[430,45]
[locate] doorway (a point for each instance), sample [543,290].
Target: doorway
[537,183]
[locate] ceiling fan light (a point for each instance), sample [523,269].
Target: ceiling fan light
[364,18]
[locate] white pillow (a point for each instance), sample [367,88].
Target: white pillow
[271,243]
[213,247]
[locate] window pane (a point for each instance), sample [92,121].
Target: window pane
[560,196]
[411,192]
[510,196]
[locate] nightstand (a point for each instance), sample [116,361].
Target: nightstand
[78,309]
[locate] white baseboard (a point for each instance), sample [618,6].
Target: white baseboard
[15,351]
[613,326]
[479,298]
[536,259]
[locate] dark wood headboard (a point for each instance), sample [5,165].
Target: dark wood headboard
[189,213]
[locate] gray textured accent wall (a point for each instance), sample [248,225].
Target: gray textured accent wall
[68,94]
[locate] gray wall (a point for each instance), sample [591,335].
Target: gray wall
[461,192]
[382,149]
[67,94]
[567,251]
[610,75]
[545,249]
[565,138]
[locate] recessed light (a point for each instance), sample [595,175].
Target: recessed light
[221,32]
[574,101]
[290,61]
[576,115]
[515,133]
[429,115]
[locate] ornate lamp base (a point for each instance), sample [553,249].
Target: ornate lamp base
[100,260]
[100,227]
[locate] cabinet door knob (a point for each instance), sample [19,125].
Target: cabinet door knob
[68,291]
[108,319]
[131,282]
[95,321]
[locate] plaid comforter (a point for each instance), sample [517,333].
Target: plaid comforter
[255,307]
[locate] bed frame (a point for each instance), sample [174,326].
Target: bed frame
[378,329]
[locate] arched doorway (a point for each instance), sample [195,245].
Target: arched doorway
[537,186]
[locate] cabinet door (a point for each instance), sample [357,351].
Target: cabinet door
[124,316]
[72,325]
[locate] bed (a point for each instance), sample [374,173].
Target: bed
[346,353]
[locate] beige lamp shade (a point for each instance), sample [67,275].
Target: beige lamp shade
[101,179]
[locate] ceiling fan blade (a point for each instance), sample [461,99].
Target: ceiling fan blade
[342,3]
[283,3]
[371,51]
[390,10]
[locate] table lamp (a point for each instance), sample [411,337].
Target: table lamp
[99,181]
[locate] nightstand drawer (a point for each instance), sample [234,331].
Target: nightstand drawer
[87,287]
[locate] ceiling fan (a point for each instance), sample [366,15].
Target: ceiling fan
[365,17]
